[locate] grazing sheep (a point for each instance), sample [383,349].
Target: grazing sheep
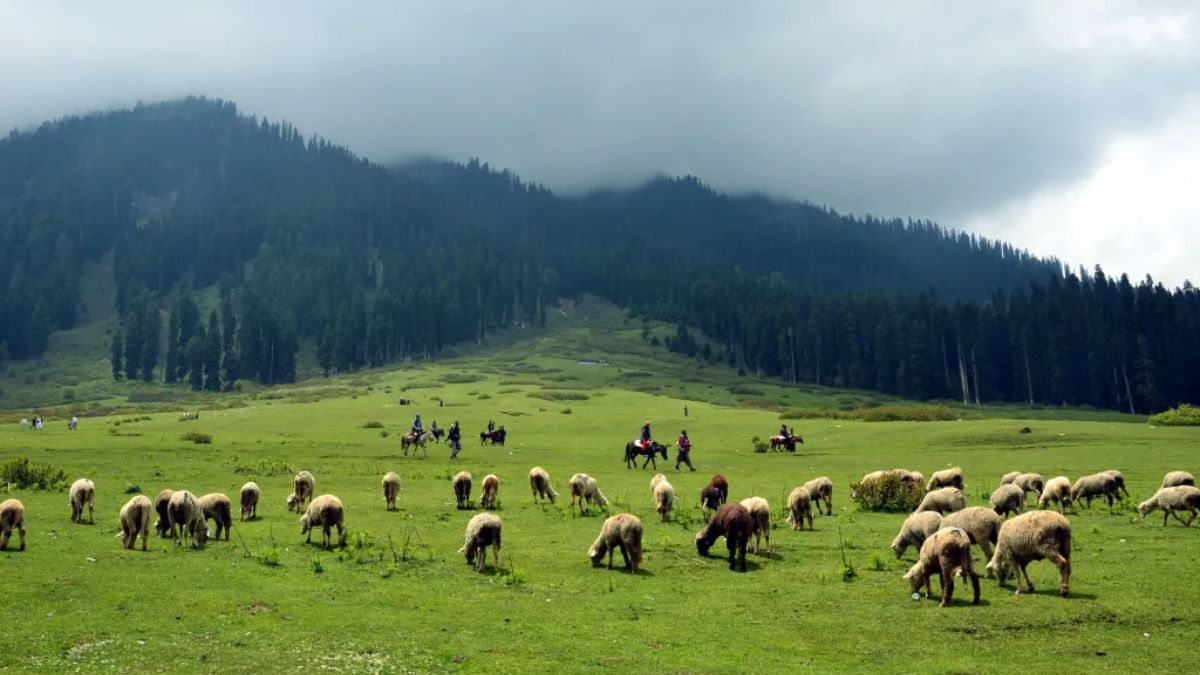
[1058,489]
[327,512]
[584,488]
[800,507]
[1177,478]
[1031,482]
[944,500]
[462,489]
[1008,499]
[135,520]
[83,491]
[1095,485]
[622,531]
[710,498]
[658,478]
[946,478]
[1037,535]
[1119,479]
[664,499]
[981,524]
[1010,477]
[12,517]
[304,485]
[867,481]
[821,489]
[907,476]
[1172,500]
[733,521]
[248,500]
[760,515]
[483,530]
[163,524]
[718,481]
[186,519]
[915,530]
[942,552]
[391,489]
[539,484]
[491,487]
[219,509]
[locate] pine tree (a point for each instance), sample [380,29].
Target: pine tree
[193,355]
[170,370]
[151,329]
[39,329]
[118,348]
[212,354]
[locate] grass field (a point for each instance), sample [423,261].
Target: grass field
[398,598]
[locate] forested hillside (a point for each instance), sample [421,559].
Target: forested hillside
[307,242]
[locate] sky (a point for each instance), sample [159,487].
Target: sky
[1068,128]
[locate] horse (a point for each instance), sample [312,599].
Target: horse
[496,437]
[74,423]
[411,439]
[437,434]
[778,442]
[634,448]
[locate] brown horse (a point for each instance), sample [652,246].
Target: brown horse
[789,444]
[633,450]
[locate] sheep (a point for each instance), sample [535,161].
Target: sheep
[391,489]
[733,521]
[710,498]
[248,499]
[942,552]
[944,500]
[135,520]
[718,481]
[1095,485]
[902,475]
[658,478]
[1031,482]
[622,531]
[1008,499]
[1172,500]
[304,486]
[584,488]
[867,480]
[946,478]
[760,515]
[907,476]
[915,530]
[482,530]
[327,512]
[1058,489]
[1036,535]
[981,524]
[83,491]
[821,489]
[539,484]
[163,524]
[217,507]
[1010,477]
[186,519]
[1177,478]
[1119,479]
[664,499]
[800,507]
[12,517]
[462,489]
[491,487]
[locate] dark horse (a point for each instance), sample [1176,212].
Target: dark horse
[633,450]
[778,442]
[496,437]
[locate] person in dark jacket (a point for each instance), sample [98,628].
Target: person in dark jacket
[454,435]
[685,451]
[646,440]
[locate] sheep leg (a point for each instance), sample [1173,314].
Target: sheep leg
[1166,514]
[91,513]
[145,536]
[625,555]
[946,577]
[1064,572]
[1021,570]
[1192,519]
[1175,515]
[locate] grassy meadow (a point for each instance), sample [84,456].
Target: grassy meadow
[397,597]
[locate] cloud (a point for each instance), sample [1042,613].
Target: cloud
[956,111]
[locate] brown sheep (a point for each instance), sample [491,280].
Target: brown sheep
[800,507]
[462,489]
[981,524]
[539,484]
[219,509]
[821,489]
[710,498]
[1036,535]
[760,515]
[482,531]
[1095,485]
[12,517]
[622,531]
[391,489]
[942,552]
[718,481]
[187,519]
[1031,482]
[163,524]
[83,492]
[491,487]
[135,520]
[733,521]
[248,499]
[327,512]
[304,486]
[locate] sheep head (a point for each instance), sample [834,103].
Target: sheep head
[915,576]
[1146,507]
[596,553]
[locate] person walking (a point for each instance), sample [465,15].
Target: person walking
[685,451]
[454,436]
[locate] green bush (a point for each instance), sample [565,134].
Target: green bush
[559,395]
[889,493]
[197,437]
[269,556]
[132,488]
[1184,415]
[25,475]
[908,413]
[461,378]
[373,424]
[759,444]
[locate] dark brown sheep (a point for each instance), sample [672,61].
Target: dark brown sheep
[718,481]
[710,498]
[462,489]
[163,524]
[733,522]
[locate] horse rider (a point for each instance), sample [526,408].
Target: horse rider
[685,451]
[785,434]
[453,436]
[491,432]
[416,426]
[646,436]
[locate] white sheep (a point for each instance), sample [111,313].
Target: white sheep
[539,484]
[944,500]
[1172,500]
[482,531]
[906,476]
[1058,489]
[1036,535]
[821,489]
[327,512]
[391,489]
[1095,485]
[1119,479]
[1008,499]
[584,488]
[12,517]
[248,500]
[219,509]
[187,519]
[800,507]
[664,498]
[915,529]
[981,524]
[1010,477]
[658,478]
[944,551]
[1177,478]
[1031,482]
[304,486]
[135,521]
[491,488]
[760,518]
[622,531]
[83,492]
[946,478]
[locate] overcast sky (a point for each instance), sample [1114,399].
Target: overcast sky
[1071,129]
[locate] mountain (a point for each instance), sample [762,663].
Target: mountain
[304,241]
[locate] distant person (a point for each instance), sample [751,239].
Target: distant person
[685,451]
[440,402]
[24,424]
[685,411]
[784,433]
[416,426]
[454,436]
[491,427]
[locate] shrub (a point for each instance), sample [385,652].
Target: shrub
[25,475]
[461,378]
[1184,415]
[373,424]
[908,413]
[889,493]
[317,567]
[132,488]
[483,397]
[197,437]
[759,444]
[566,411]
[559,395]
[268,555]
[384,434]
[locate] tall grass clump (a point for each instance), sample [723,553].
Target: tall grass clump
[889,493]
[197,437]
[1183,415]
[25,475]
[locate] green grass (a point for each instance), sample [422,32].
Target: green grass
[399,598]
